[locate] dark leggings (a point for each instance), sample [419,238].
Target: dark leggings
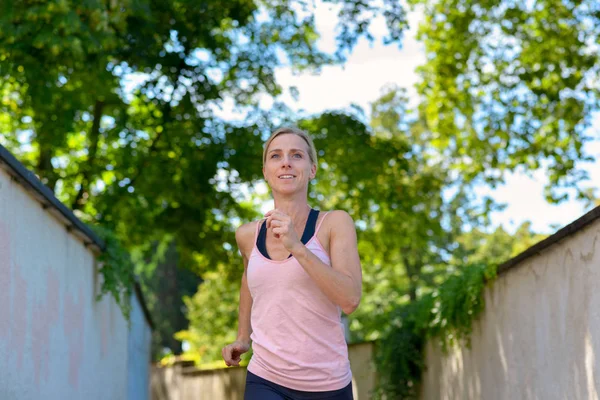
[258,388]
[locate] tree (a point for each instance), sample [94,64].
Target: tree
[213,316]
[493,248]
[161,275]
[402,192]
[512,86]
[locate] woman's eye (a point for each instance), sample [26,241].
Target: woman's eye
[297,155]
[274,155]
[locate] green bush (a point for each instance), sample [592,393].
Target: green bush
[117,270]
[446,314]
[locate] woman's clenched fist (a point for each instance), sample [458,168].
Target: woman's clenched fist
[232,352]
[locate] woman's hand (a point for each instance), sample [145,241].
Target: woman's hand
[232,352]
[283,228]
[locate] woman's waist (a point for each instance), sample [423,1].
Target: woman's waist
[292,358]
[327,374]
[304,344]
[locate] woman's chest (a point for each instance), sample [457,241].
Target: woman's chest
[268,276]
[277,252]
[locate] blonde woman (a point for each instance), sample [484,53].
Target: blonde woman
[301,270]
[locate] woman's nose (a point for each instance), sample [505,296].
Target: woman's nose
[286,161]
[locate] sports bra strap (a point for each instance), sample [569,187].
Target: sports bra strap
[309,228]
[309,232]
[261,240]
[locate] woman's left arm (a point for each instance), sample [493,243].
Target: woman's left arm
[342,282]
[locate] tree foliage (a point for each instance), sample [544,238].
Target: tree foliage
[157,264]
[116,269]
[404,195]
[213,317]
[106,151]
[480,247]
[512,86]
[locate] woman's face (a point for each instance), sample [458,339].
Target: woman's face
[288,168]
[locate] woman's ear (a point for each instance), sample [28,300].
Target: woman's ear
[313,171]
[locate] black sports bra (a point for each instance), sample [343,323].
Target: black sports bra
[309,231]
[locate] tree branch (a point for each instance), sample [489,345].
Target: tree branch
[44,166]
[88,167]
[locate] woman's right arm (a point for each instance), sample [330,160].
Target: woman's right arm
[244,237]
[244,328]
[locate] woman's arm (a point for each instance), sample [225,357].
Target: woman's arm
[232,352]
[342,282]
[244,327]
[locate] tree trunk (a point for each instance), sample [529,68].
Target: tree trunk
[44,168]
[88,167]
[413,271]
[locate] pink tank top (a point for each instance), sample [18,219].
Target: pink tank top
[297,333]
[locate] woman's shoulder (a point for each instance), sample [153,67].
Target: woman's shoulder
[331,223]
[338,219]
[244,235]
[337,215]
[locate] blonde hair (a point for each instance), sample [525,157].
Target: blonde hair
[312,152]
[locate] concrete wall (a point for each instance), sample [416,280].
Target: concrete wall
[539,336]
[56,340]
[184,382]
[138,355]
[364,375]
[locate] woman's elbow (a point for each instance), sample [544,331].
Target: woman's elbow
[351,305]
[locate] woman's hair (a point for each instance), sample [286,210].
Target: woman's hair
[312,152]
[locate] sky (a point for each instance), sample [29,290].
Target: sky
[372,66]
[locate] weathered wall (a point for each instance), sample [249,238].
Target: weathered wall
[363,369]
[56,341]
[138,356]
[183,382]
[539,336]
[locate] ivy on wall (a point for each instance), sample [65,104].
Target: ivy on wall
[446,314]
[117,270]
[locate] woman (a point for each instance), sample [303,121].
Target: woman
[301,267]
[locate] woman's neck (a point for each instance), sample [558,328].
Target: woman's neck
[296,208]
